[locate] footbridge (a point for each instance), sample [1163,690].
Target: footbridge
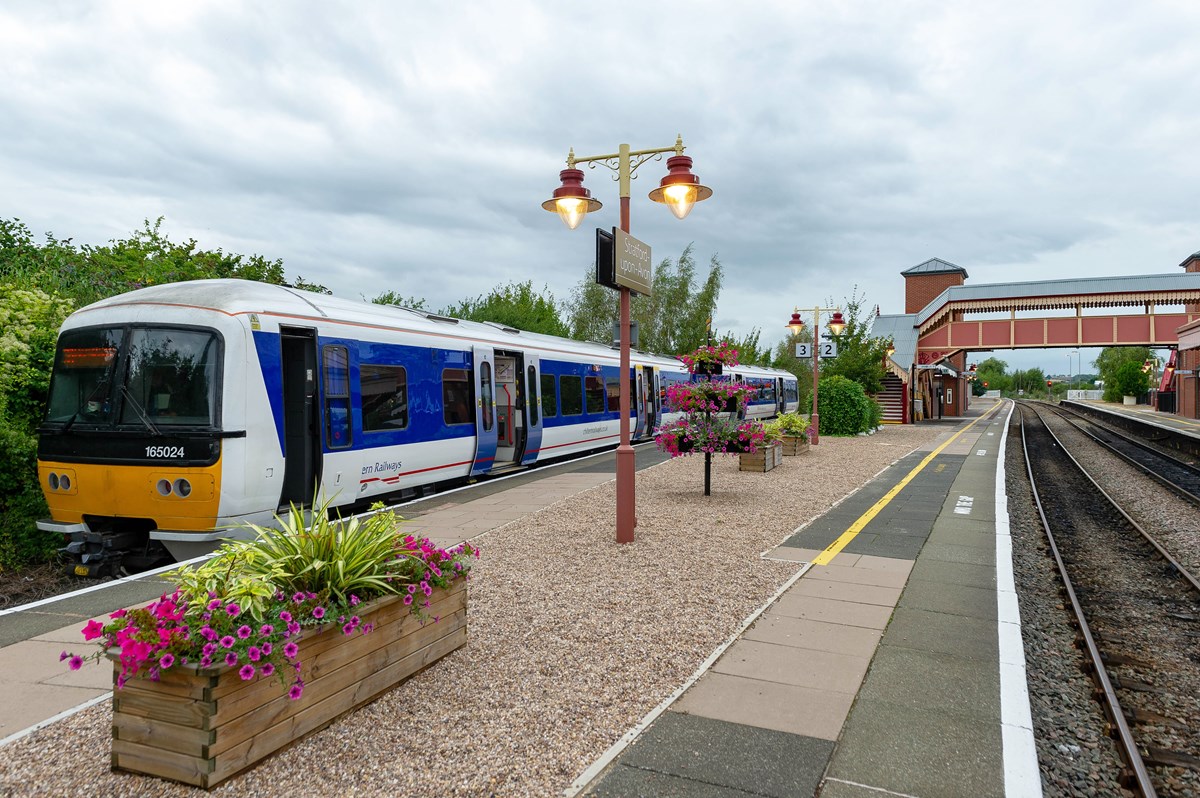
[943,331]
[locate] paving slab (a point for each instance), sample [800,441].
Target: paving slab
[624,781]
[842,591]
[731,755]
[802,667]
[817,635]
[857,576]
[940,571]
[872,616]
[923,681]
[961,636]
[938,755]
[768,705]
[973,602]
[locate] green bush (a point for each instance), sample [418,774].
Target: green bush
[874,414]
[22,504]
[844,407]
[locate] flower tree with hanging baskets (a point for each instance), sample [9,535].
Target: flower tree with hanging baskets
[704,427]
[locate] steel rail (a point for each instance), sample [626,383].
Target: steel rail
[1112,706]
[1179,567]
[1074,419]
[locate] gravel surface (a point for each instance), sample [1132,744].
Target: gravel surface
[573,640]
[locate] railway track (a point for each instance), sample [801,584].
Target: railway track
[1178,473]
[1137,611]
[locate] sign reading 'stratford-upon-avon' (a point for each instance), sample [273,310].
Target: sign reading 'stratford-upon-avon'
[633,267]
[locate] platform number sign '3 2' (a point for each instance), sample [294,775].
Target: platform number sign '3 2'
[826,349]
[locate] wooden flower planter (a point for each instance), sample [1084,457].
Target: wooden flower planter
[202,726]
[794,445]
[764,459]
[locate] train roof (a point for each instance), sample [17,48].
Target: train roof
[242,297]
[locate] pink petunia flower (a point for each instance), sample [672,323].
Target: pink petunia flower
[247,673]
[93,630]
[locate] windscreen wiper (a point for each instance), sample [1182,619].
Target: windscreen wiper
[141,413]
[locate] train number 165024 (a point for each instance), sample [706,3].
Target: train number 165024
[164,451]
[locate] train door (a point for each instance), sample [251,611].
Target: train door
[301,452]
[654,405]
[533,409]
[510,410]
[780,397]
[639,404]
[485,410]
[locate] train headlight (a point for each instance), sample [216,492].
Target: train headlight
[53,480]
[64,482]
[164,487]
[183,488]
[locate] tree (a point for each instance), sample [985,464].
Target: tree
[674,319]
[750,352]
[994,372]
[88,273]
[860,357]
[1109,363]
[515,305]
[392,298]
[1129,380]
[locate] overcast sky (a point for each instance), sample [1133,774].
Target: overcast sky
[408,146]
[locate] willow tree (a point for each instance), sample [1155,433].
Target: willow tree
[673,319]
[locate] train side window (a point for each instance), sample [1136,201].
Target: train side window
[571,391]
[612,387]
[593,389]
[456,396]
[549,396]
[335,370]
[485,386]
[533,403]
[384,397]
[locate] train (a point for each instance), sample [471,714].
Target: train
[178,413]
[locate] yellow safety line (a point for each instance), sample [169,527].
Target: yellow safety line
[844,539]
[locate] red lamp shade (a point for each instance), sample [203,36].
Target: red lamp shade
[837,323]
[571,201]
[796,324]
[680,189]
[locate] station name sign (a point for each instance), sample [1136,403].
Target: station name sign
[623,262]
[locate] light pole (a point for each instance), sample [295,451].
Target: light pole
[836,325]
[679,190]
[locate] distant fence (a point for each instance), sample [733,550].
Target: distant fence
[992,394]
[1094,396]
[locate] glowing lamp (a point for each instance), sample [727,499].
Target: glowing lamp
[680,189]
[571,201]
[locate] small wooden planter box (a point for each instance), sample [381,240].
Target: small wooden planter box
[764,459]
[201,726]
[794,445]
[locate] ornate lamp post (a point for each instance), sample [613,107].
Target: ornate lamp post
[836,325]
[679,190]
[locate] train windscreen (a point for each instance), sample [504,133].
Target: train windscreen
[135,377]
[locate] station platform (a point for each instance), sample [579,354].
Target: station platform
[1145,414]
[892,665]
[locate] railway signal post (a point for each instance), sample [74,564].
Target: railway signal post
[679,190]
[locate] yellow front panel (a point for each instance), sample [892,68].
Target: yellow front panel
[127,491]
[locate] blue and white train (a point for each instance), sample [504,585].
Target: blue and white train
[178,412]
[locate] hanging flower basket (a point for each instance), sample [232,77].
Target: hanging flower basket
[711,359]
